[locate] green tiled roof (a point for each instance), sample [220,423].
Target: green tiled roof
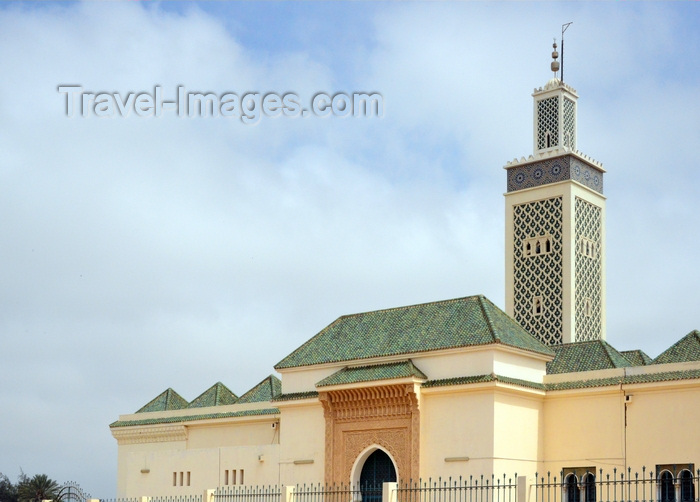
[461,322]
[190,418]
[685,349]
[167,400]
[216,395]
[636,357]
[401,369]
[264,391]
[628,379]
[585,356]
[482,379]
[293,396]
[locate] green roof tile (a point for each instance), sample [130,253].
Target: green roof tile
[167,400]
[585,356]
[482,379]
[461,322]
[685,349]
[294,396]
[628,379]
[636,357]
[269,388]
[401,369]
[216,395]
[190,418]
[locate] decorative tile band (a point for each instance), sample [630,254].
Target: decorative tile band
[545,172]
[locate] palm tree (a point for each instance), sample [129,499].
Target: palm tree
[38,488]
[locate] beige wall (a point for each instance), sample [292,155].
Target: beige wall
[584,428]
[518,425]
[302,433]
[456,422]
[662,424]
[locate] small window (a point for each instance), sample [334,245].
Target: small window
[588,248]
[537,245]
[667,492]
[578,484]
[188,478]
[588,487]
[174,478]
[537,307]
[672,477]
[241,480]
[573,492]
[588,308]
[687,486]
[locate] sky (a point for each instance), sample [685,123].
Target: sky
[146,252]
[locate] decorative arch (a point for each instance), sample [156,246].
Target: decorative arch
[359,464]
[572,491]
[687,486]
[667,491]
[588,487]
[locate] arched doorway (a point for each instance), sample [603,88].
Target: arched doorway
[377,469]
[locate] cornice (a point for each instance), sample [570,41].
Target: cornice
[159,434]
[550,154]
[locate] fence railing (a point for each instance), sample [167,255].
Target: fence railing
[673,483]
[336,493]
[471,489]
[247,494]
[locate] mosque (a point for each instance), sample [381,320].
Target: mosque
[456,387]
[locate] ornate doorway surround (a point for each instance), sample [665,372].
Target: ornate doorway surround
[361,420]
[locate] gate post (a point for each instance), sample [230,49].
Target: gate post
[389,492]
[288,493]
[522,489]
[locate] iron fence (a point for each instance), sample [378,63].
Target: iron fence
[673,483]
[471,489]
[270,493]
[336,493]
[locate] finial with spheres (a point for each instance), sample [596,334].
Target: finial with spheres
[555,64]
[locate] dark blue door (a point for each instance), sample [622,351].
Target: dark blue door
[378,469]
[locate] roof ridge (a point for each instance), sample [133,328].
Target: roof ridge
[390,309]
[390,363]
[489,321]
[607,347]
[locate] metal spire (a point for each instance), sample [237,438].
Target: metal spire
[563,29]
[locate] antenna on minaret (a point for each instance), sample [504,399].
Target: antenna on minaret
[563,29]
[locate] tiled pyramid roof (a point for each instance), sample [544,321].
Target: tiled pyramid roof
[216,395]
[267,389]
[461,322]
[401,369]
[585,356]
[636,357]
[685,349]
[167,400]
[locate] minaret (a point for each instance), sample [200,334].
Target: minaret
[555,227]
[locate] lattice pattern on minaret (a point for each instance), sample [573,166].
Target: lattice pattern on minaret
[569,124]
[548,123]
[589,263]
[539,276]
